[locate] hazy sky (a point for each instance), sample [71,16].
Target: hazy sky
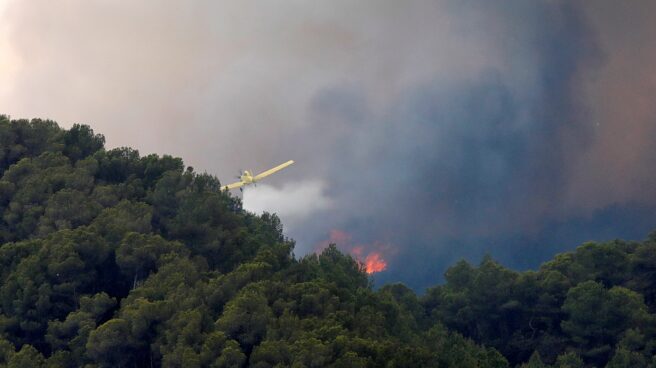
[427,131]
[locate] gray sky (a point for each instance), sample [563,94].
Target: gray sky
[425,130]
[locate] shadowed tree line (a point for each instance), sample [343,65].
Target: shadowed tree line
[111,259]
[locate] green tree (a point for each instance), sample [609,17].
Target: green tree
[534,362]
[110,344]
[231,356]
[137,254]
[246,317]
[28,356]
[113,223]
[80,142]
[597,317]
[6,351]
[569,360]
[626,359]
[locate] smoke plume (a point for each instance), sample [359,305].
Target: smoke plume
[440,129]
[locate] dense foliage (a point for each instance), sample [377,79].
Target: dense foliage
[110,259]
[596,304]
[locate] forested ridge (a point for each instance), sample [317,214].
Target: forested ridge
[112,259]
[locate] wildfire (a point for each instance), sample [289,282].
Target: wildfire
[374,263]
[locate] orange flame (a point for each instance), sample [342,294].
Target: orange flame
[374,263]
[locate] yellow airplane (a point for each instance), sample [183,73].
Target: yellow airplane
[247,178]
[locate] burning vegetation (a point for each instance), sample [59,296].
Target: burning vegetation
[370,256]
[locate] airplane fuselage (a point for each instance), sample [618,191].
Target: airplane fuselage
[247,178]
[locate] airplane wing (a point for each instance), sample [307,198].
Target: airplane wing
[233,185]
[271,171]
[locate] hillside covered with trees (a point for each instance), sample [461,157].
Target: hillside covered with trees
[112,259]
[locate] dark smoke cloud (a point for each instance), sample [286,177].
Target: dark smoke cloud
[435,130]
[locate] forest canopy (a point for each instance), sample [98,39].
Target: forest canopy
[113,259]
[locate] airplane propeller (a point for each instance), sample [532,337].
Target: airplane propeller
[253,179]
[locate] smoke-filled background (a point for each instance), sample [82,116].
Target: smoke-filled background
[423,131]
